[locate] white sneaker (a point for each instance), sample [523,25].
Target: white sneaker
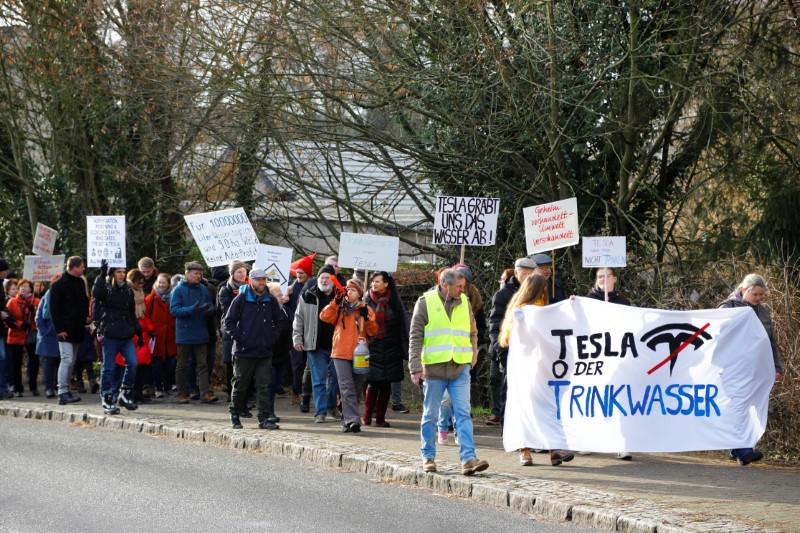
[625,456]
[441,437]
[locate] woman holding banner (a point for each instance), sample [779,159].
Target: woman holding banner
[533,291]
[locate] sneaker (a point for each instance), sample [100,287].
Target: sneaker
[428,465]
[208,398]
[752,456]
[473,466]
[266,424]
[558,457]
[400,408]
[493,420]
[183,398]
[109,405]
[625,456]
[126,400]
[67,398]
[442,438]
[319,419]
[355,427]
[525,458]
[274,419]
[236,422]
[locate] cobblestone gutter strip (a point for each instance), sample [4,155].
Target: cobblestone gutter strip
[547,499]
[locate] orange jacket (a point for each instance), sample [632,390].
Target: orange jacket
[21,311]
[346,334]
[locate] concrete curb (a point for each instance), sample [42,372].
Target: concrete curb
[551,500]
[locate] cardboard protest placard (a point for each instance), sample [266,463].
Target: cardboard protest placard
[42,267]
[45,240]
[604,252]
[105,239]
[223,236]
[368,252]
[465,220]
[275,261]
[551,226]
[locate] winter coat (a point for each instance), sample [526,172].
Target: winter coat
[497,314]
[387,355]
[157,311]
[306,320]
[280,352]
[254,323]
[294,299]
[190,304]
[46,340]
[225,297]
[614,297]
[348,329]
[118,317]
[735,299]
[22,314]
[69,307]
[2,308]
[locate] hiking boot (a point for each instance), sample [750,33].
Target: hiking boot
[109,405]
[182,398]
[126,400]
[428,465]
[473,466]
[525,458]
[399,408]
[67,398]
[266,424]
[558,457]
[208,398]
[752,456]
[236,423]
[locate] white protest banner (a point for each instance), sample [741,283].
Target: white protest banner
[105,239]
[45,240]
[594,376]
[604,252]
[42,267]
[368,252]
[223,236]
[551,226]
[465,220]
[275,260]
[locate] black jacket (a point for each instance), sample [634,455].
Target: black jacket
[227,292]
[497,314]
[117,320]
[387,355]
[614,297]
[69,307]
[255,324]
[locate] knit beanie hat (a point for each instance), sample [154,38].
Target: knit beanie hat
[236,265]
[304,263]
[327,269]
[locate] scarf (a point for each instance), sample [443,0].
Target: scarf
[164,295]
[381,300]
[235,286]
[138,300]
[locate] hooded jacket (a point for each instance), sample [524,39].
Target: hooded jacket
[118,317]
[255,323]
[735,299]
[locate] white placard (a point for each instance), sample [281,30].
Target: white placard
[42,267]
[604,252]
[551,226]
[223,236]
[275,260]
[368,252]
[465,220]
[601,377]
[45,240]
[105,239]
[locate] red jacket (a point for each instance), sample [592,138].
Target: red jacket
[163,324]
[21,311]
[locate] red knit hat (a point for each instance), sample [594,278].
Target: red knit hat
[304,263]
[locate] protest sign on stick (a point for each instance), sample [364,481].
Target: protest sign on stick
[599,252]
[465,220]
[551,226]
[42,267]
[45,240]
[365,251]
[223,236]
[275,261]
[105,239]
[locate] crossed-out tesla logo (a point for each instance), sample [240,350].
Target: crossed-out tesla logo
[677,337]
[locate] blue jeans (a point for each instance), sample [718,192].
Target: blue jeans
[446,413]
[323,379]
[458,389]
[108,381]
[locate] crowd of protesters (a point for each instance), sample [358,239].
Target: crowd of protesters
[154,336]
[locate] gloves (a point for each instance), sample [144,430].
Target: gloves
[364,312]
[205,308]
[103,267]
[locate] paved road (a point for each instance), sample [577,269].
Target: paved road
[69,478]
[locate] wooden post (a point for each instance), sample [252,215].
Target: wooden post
[366,280]
[553,273]
[463,251]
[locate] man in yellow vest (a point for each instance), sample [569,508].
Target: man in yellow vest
[443,346]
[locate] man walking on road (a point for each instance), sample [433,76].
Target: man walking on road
[254,321]
[443,346]
[69,309]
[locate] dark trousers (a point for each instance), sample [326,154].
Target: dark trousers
[497,389]
[278,371]
[88,366]
[298,371]
[185,353]
[259,372]
[163,373]
[17,355]
[50,365]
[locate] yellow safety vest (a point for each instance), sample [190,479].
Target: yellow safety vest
[446,338]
